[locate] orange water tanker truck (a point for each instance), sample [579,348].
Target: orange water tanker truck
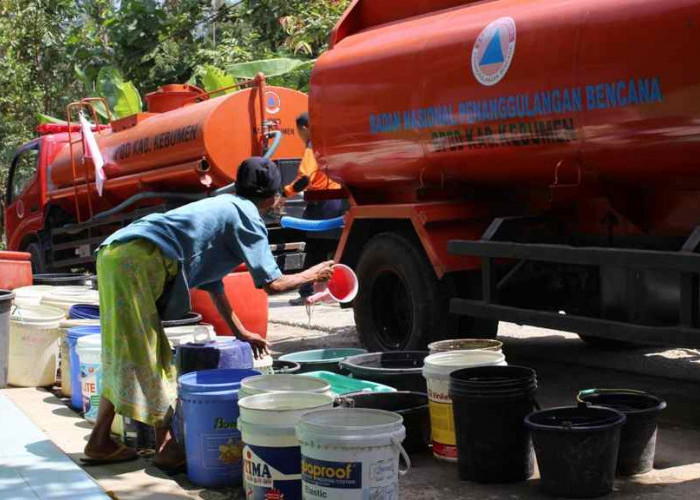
[187,145]
[536,162]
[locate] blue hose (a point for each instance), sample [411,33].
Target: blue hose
[275,144]
[312,225]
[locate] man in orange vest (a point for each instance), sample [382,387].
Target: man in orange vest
[310,177]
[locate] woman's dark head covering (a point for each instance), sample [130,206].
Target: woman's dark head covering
[258,178]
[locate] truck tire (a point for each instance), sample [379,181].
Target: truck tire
[400,304]
[37,258]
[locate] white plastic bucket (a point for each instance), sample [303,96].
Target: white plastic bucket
[31,295]
[271,452]
[33,359]
[178,335]
[264,365]
[264,384]
[63,297]
[351,454]
[436,370]
[89,349]
[465,345]
[63,328]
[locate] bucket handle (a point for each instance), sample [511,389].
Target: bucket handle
[406,458]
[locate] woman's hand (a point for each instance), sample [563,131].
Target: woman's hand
[260,346]
[322,272]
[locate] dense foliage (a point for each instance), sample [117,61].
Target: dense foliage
[52,51]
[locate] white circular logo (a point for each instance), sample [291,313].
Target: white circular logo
[493,51]
[20,209]
[273,103]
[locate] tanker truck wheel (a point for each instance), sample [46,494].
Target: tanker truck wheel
[37,258]
[400,304]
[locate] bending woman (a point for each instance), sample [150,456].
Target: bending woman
[145,272]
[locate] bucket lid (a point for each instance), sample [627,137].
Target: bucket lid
[81,331]
[67,324]
[580,418]
[84,311]
[216,383]
[284,383]
[37,315]
[444,363]
[358,426]
[386,363]
[90,343]
[322,355]
[178,335]
[281,409]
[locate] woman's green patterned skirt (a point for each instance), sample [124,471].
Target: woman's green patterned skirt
[137,374]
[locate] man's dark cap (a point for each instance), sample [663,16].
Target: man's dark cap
[258,178]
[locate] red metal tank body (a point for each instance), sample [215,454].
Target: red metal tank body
[161,151]
[510,93]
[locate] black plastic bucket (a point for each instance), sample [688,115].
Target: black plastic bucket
[412,406]
[576,449]
[402,370]
[490,404]
[191,318]
[6,297]
[638,436]
[65,279]
[288,367]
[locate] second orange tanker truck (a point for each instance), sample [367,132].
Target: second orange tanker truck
[188,145]
[528,161]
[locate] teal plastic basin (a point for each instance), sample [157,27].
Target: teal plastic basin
[340,384]
[321,359]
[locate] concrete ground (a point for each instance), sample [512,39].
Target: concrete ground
[563,363]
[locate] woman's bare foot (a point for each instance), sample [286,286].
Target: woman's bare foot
[110,452]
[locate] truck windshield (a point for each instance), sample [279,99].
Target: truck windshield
[23,171]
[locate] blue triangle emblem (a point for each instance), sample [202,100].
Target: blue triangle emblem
[493,53]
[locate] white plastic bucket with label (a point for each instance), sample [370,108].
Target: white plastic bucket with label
[436,370]
[264,384]
[63,328]
[271,452]
[89,349]
[351,454]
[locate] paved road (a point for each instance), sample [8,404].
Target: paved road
[564,365]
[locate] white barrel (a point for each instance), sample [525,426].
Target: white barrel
[271,452]
[351,454]
[31,295]
[89,350]
[436,370]
[64,362]
[33,359]
[63,297]
[263,384]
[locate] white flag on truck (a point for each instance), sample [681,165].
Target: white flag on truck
[93,151]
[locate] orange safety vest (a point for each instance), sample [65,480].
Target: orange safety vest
[318,181]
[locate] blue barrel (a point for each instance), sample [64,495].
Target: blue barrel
[223,353]
[212,440]
[84,311]
[76,399]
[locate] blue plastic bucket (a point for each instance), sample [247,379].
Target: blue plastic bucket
[84,311]
[212,439]
[76,399]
